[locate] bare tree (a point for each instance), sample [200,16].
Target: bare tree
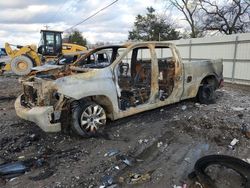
[190,10]
[228,17]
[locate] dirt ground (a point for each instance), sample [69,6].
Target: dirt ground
[166,143]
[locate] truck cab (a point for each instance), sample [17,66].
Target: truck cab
[50,43]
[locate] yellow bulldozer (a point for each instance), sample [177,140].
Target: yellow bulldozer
[49,49]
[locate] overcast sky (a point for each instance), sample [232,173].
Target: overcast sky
[21,20]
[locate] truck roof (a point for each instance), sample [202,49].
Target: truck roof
[43,30]
[127,44]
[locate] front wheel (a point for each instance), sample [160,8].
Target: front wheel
[206,94]
[21,65]
[87,118]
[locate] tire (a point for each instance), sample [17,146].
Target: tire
[21,65]
[87,118]
[239,166]
[206,94]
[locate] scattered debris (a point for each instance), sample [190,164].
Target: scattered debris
[43,175]
[13,179]
[187,159]
[240,115]
[238,109]
[39,162]
[34,137]
[159,144]
[108,182]
[233,143]
[14,169]
[246,130]
[121,179]
[21,157]
[128,160]
[176,118]
[143,141]
[112,152]
[247,133]
[247,160]
[178,186]
[184,107]
[136,178]
[197,104]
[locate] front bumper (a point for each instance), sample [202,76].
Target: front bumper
[42,116]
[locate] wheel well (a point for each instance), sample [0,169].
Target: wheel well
[104,101]
[211,79]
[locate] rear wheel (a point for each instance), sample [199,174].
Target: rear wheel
[21,65]
[87,118]
[206,94]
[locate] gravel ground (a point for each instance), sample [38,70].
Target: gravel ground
[163,144]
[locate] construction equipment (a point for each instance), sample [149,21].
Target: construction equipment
[49,49]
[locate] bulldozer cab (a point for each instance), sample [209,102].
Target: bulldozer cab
[50,43]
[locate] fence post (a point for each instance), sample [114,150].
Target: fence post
[190,50]
[235,56]
[161,52]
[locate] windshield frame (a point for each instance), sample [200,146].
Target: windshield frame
[114,55]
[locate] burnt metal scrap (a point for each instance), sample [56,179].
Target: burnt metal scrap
[108,182]
[17,168]
[112,152]
[128,160]
[113,82]
[14,169]
[238,165]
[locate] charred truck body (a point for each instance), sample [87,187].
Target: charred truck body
[113,82]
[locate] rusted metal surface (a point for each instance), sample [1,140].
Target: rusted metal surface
[199,70]
[40,115]
[149,84]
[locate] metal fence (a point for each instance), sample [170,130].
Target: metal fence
[233,49]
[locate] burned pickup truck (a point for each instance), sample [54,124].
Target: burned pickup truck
[125,80]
